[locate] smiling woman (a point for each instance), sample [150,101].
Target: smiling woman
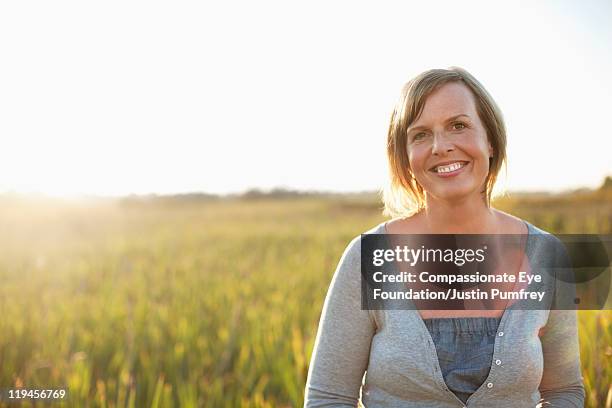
[445,146]
[447,123]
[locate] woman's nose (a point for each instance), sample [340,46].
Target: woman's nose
[441,145]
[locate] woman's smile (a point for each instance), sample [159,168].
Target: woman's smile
[449,169]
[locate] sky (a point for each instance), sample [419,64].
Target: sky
[126,97]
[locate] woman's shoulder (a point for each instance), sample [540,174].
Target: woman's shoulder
[402,225]
[540,240]
[518,225]
[380,228]
[352,252]
[511,224]
[355,244]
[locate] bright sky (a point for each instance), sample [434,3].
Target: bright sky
[116,97]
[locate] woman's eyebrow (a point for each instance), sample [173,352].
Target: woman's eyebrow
[411,129]
[455,117]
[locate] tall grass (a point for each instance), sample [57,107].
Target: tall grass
[187,304]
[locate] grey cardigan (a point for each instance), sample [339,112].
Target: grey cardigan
[536,360]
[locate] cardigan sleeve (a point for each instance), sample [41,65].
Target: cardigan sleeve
[342,345]
[562,382]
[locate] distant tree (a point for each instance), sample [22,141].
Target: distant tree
[277,192]
[253,193]
[607,184]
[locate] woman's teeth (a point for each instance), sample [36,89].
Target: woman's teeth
[449,167]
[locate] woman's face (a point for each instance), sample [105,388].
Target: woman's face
[447,145]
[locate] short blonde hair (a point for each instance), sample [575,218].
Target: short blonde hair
[404,195]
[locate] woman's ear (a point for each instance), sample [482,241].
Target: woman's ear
[490,149]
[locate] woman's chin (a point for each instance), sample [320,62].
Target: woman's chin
[456,194]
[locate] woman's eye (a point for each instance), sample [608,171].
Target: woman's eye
[419,136]
[458,126]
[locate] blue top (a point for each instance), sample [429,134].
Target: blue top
[465,349]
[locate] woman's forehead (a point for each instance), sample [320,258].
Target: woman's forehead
[450,100]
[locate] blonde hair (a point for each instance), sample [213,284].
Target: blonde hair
[404,195]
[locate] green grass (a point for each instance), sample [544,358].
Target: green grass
[196,304]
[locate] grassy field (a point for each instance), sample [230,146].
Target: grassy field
[211,303]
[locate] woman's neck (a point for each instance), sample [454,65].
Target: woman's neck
[467,217]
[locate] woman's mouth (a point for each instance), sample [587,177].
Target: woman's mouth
[449,169]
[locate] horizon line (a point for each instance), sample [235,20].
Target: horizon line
[262,192]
